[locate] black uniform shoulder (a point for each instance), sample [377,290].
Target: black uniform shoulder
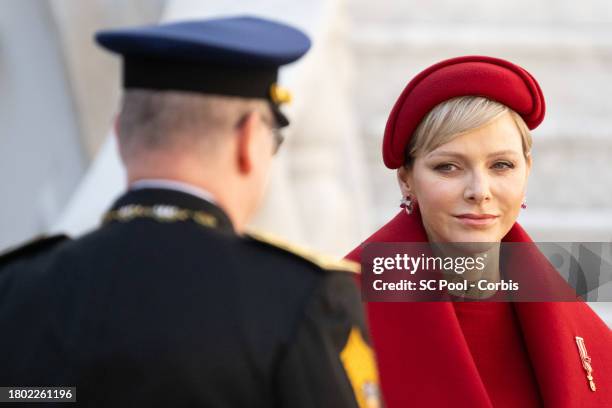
[31,248]
[274,245]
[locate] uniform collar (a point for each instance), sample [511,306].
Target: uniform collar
[173,185]
[149,197]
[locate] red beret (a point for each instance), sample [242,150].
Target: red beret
[492,78]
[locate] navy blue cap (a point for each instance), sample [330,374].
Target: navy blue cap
[235,56]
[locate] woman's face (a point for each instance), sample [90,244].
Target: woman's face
[471,188]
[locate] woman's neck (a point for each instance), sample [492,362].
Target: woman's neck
[473,273]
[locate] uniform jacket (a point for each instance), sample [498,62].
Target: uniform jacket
[165,305]
[424,360]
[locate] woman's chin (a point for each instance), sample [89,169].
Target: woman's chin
[474,237]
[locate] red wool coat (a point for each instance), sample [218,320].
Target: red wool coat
[424,359]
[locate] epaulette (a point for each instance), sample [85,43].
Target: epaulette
[31,247]
[320,260]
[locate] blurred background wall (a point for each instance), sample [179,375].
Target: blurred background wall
[59,92]
[57,98]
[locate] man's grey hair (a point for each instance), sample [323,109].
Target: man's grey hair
[159,120]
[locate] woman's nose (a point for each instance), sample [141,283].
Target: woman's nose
[477,188]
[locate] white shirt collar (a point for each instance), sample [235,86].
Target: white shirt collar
[173,185]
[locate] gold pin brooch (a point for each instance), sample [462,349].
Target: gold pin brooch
[586,362]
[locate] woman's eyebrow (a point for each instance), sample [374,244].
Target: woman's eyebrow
[446,153]
[461,156]
[503,152]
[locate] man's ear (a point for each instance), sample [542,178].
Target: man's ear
[246,143]
[404,179]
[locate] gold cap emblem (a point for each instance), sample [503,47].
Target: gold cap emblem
[279,94]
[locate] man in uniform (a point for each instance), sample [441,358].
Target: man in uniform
[169,302]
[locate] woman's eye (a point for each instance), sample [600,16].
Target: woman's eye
[445,167]
[503,165]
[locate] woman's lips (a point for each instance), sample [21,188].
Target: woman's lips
[477,220]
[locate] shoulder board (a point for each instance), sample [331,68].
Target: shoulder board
[320,260]
[31,247]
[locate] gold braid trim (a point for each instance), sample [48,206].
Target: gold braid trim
[322,261]
[160,213]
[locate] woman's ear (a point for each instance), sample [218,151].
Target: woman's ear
[404,179]
[529,162]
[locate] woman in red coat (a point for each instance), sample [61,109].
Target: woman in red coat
[459,138]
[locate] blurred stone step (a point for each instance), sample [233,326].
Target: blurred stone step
[526,12]
[545,40]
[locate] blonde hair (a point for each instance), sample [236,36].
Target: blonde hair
[456,116]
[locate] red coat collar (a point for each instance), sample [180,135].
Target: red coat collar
[424,359]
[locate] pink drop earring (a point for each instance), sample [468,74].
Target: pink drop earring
[407,204]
